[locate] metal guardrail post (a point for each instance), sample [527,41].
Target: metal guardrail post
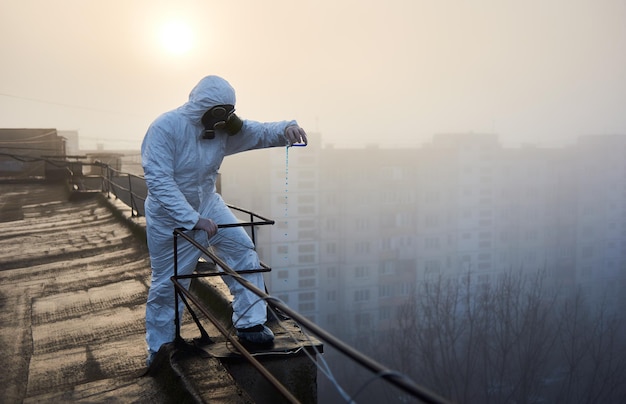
[130,196]
[108,180]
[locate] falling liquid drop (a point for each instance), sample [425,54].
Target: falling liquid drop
[286,195]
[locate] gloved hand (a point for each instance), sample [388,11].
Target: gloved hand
[295,134]
[207,225]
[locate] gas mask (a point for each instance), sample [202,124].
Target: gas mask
[221,117]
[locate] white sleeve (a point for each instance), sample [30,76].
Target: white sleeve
[258,135]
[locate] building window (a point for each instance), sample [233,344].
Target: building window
[306,248]
[306,209]
[331,248]
[432,266]
[306,296]
[306,174]
[362,247]
[307,272]
[306,259]
[432,242]
[362,224]
[307,306]
[306,184]
[385,313]
[308,224]
[431,220]
[405,289]
[362,295]
[362,271]
[385,291]
[306,234]
[387,268]
[306,283]
[362,320]
[306,198]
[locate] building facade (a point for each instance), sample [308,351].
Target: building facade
[357,229]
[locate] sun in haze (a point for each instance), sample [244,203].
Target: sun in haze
[176,37]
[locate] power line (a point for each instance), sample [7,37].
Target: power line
[101,110]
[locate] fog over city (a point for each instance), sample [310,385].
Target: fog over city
[460,211]
[501,265]
[357,72]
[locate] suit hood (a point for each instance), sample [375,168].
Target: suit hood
[209,92]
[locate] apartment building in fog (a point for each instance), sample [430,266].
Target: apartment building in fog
[357,229]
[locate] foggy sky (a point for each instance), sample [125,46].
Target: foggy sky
[356,71]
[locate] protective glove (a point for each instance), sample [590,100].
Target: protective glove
[207,225]
[295,134]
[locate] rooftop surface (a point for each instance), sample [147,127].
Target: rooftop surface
[73,285]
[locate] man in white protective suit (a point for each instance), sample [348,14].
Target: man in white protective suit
[181,154]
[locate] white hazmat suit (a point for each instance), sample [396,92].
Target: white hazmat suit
[180,168]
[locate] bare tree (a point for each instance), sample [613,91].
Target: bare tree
[515,340]
[592,355]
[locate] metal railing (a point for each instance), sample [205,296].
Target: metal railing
[129,188]
[395,378]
